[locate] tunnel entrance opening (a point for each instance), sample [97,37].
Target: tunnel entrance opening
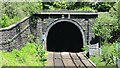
[64,36]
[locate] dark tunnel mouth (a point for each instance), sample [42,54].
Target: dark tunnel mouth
[64,36]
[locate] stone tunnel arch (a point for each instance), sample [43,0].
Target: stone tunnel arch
[65,35]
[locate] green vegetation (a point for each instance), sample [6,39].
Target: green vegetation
[0,59]
[12,12]
[108,57]
[15,11]
[108,28]
[105,25]
[31,55]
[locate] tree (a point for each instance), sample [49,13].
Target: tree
[15,11]
[107,23]
[102,6]
[57,5]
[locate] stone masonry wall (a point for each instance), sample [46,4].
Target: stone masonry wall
[16,35]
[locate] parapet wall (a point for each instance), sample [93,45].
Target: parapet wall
[16,35]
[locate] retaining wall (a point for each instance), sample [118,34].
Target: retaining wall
[16,35]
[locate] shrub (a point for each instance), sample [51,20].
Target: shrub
[108,57]
[105,25]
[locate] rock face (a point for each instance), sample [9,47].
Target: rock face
[18,34]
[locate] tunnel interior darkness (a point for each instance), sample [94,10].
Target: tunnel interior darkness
[64,37]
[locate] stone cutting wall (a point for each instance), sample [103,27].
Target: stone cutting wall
[16,35]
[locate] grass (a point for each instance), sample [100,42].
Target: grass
[27,56]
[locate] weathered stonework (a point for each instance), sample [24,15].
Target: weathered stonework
[16,35]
